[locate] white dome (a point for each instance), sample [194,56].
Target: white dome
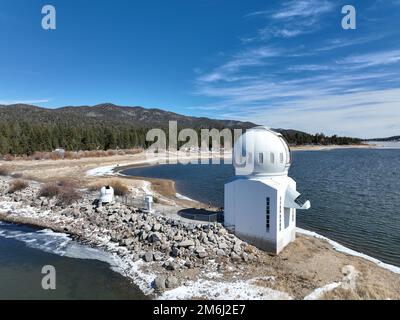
[261,151]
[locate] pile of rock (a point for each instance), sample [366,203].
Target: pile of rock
[172,244]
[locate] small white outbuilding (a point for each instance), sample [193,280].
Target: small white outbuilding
[106,195]
[261,202]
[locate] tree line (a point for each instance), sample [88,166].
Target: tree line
[24,138]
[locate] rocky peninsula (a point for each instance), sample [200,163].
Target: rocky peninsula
[170,257]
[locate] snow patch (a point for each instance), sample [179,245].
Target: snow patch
[101,171]
[182,197]
[238,290]
[318,293]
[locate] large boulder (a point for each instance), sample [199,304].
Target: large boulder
[186,243]
[171,282]
[155,237]
[159,283]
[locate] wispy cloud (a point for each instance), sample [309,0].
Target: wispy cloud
[291,19]
[372,59]
[252,57]
[310,86]
[303,9]
[23,101]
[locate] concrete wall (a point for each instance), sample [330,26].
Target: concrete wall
[245,209]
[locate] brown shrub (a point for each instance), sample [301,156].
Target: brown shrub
[4,171]
[71,155]
[119,188]
[49,190]
[38,155]
[95,186]
[111,152]
[66,183]
[68,195]
[17,185]
[17,175]
[8,157]
[54,156]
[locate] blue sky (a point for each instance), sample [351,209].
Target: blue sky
[283,64]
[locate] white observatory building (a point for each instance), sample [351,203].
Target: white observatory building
[261,202]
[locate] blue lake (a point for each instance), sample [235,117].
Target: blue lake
[355,194]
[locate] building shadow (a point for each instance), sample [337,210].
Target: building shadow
[202,215]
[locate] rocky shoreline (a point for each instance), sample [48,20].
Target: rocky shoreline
[171,246]
[177,259]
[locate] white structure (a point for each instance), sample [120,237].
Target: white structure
[148,200]
[261,202]
[106,195]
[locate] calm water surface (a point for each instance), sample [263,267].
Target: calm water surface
[81,272]
[355,194]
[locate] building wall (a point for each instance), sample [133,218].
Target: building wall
[245,209]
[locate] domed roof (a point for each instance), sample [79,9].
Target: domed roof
[261,151]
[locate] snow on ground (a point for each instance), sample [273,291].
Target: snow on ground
[101,171]
[238,290]
[343,249]
[318,293]
[182,197]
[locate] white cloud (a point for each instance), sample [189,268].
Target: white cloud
[372,59]
[253,57]
[364,114]
[303,9]
[22,101]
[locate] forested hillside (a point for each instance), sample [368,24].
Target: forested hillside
[25,129]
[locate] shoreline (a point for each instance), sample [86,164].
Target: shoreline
[337,245]
[307,266]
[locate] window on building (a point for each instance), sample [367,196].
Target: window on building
[267,214]
[260,158]
[272,157]
[280,213]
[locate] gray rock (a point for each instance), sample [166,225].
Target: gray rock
[222,245]
[222,232]
[186,243]
[157,227]
[147,227]
[171,282]
[237,249]
[159,283]
[155,237]
[235,257]
[221,252]
[201,252]
[175,252]
[148,256]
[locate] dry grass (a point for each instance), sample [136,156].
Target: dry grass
[17,185]
[363,291]
[8,157]
[17,175]
[49,190]
[64,190]
[68,196]
[4,171]
[67,183]
[120,189]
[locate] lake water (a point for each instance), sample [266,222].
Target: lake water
[355,194]
[82,272]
